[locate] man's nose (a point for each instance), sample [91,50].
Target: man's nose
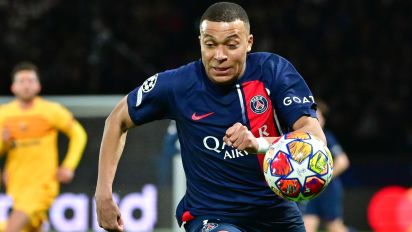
[220,53]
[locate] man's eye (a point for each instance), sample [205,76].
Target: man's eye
[232,46]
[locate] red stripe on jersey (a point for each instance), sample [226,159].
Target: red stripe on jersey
[259,111]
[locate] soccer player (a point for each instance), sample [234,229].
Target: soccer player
[327,207]
[170,148]
[228,107]
[29,127]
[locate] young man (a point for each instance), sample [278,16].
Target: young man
[327,207]
[221,105]
[29,127]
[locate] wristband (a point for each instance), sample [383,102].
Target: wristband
[263,145]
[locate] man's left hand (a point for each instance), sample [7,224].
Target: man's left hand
[65,175]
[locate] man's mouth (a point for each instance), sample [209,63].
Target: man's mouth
[220,70]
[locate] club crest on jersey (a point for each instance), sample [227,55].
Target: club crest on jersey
[149,84]
[259,104]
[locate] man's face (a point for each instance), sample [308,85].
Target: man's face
[25,85]
[224,46]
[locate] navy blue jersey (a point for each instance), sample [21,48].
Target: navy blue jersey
[221,180]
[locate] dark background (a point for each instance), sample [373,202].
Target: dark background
[356,55]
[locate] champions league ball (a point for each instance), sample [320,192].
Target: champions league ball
[298,166]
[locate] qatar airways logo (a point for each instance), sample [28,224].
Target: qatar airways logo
[214,144]
[287,101]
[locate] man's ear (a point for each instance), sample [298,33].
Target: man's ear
[250,43]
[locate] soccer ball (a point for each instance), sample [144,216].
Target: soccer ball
[298,166]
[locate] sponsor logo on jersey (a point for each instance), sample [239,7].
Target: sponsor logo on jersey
[259,104]
[212,143]
[149,84]
[287,101]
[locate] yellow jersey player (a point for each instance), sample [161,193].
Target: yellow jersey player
[29,127]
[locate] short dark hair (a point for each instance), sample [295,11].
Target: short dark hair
[24,66]
[225,12]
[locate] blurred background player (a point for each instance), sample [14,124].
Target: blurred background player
[29,127]
[327,207]
[170,148]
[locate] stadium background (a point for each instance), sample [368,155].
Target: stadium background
[357,55]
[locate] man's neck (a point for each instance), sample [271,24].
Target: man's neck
[25,104]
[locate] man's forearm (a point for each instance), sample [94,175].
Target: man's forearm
[78,138]
[110,152]
[310,125]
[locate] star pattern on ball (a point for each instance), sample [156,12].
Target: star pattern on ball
[300,171]
[149,83]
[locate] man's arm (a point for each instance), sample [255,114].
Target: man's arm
[77,142]
[6,140]
[114,137]
[311,126]
[340,164]
[241,138]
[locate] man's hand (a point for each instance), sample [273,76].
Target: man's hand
[65,175]
[239,137]
[7,138]
[108,214]
[3,178]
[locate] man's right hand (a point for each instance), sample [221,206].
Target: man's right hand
[108,214]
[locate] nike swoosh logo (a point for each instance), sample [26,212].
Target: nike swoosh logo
[198,117]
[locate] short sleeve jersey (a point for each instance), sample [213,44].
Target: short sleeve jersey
[223,181]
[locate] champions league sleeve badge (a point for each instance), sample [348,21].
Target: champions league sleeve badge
[149,83]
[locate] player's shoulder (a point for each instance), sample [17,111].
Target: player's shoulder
[271,65]
[329,133]
[330,137]
[183,71]
[40,101]
[49,105]
[171,80]
[175,78]
[267,58]
[8,107]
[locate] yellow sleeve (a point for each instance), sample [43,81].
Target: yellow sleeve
[2,151]
[1,145]
[1,148]
[65,122]
[1,140]
[77,142]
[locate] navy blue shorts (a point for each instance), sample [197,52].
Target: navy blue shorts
[206,224]
[328,205]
